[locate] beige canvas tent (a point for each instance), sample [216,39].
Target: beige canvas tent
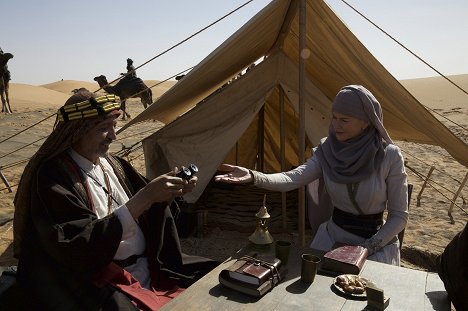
[240,123]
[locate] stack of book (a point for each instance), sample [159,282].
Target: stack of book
[253,276]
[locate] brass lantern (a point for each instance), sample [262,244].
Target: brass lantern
[261,235]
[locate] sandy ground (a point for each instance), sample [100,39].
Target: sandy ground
[429,229]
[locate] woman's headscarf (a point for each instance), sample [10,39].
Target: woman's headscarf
[79,114]
[354,160]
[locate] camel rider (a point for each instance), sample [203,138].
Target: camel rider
[130,68]
[6,72]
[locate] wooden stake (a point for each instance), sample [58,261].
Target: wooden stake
[418,201]
[5,181]
[456,196]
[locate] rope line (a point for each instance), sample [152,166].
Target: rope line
[448,157]
[433,181]
[435,168]
[442,116]
[407,49]
[127,150]
[130,136]
[15,163]
[11,152]
[4,140]
[162,81]
[3,189]
[429,182]
[181,42]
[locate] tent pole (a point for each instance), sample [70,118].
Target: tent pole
[261,139]
[282,153]
[302,47]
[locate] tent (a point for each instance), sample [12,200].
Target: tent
[208,122]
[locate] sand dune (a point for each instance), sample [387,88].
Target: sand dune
[437,92]
[25,96]
[67,86]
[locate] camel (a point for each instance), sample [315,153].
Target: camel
[127,87]
[5,81]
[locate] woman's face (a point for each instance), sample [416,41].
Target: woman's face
[347,127]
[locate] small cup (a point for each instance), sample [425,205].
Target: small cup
[309,267]
[282,249]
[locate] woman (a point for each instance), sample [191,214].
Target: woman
[363,172]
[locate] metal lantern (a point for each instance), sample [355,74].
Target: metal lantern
[261,235]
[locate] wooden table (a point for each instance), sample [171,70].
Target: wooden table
[408,289]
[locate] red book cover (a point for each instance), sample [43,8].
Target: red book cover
[345,259]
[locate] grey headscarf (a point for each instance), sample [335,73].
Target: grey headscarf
[354,160]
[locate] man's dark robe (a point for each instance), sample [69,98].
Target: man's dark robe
[68,246]
[452,266]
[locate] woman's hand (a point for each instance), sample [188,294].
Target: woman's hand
[235,175]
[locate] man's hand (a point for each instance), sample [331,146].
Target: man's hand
[163,188]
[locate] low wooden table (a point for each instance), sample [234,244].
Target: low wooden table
[408,289]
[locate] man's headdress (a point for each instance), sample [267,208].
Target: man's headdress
[91,107]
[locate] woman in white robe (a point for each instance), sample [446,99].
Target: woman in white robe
[363,173]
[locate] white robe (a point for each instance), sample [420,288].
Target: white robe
[385,189]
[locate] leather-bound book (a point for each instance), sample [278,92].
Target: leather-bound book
[253,272]
[344,259]
[252,276]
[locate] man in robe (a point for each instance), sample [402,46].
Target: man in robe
[90,232]
[452,266]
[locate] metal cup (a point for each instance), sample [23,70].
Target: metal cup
[282,249]
[309,267]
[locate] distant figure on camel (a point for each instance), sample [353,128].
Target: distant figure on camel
[130,69]
[5,78]
[128,87]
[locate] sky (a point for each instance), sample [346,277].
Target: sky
[78,40]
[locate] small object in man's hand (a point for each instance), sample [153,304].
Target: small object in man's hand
[187,172]
[193,169]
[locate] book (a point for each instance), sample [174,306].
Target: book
[254,271]
[345,259]
[256,288]
[250,289]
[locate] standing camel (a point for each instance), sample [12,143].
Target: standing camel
[5,81]
[127,87]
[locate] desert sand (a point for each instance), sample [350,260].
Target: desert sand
[429,229]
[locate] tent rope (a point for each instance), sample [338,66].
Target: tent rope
[16,134]
[442,116]
[183,41]
[27,145]
[431,183]
[8,188]
[158,83]
[14,164]
[407,49]
[435,168]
